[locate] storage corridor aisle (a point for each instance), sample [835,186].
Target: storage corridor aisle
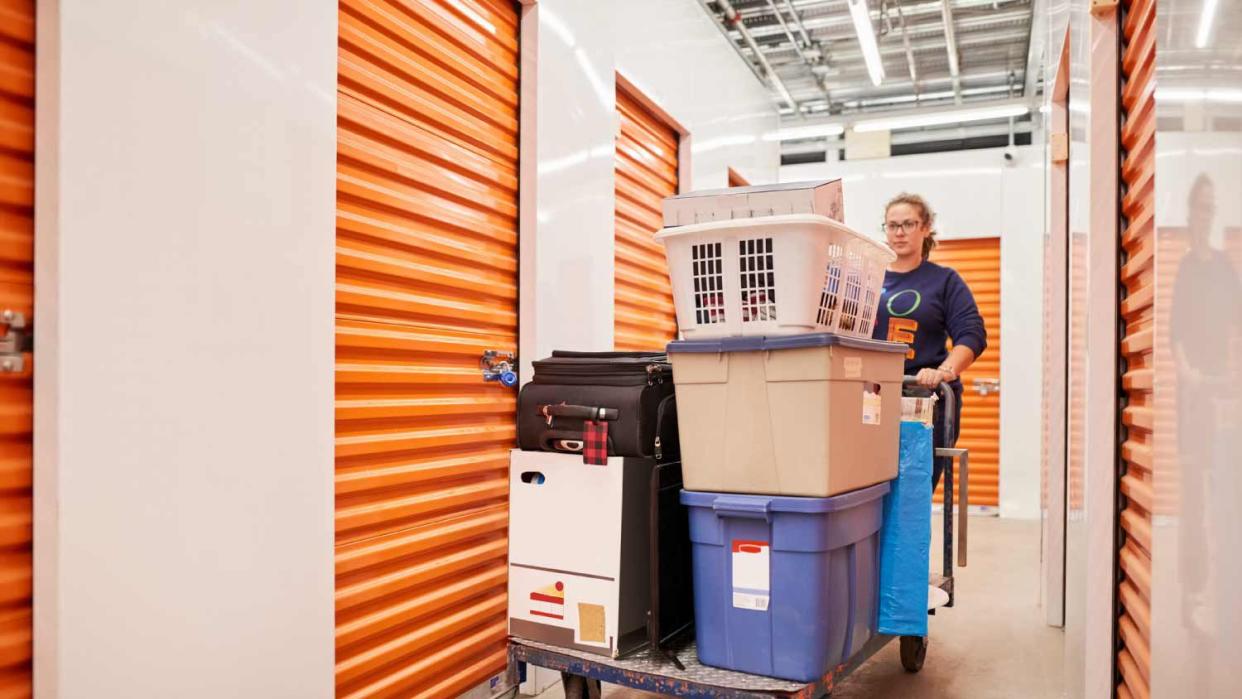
[992,645]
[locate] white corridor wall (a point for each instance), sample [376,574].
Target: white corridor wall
[571,52]
[184,303]
[976,193]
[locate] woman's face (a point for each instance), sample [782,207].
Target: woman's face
[905,229]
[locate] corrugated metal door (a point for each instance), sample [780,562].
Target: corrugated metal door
[978,261]
[17,92]
[427,176]
[1137,275]
[646,173]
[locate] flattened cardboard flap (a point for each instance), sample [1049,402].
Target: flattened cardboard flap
[822,197]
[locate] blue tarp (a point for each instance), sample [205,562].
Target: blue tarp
[905,539]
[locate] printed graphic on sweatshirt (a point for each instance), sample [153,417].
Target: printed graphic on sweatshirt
[900,328]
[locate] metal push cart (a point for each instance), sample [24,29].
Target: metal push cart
[653,670]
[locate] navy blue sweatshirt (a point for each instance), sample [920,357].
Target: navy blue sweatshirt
[924,307]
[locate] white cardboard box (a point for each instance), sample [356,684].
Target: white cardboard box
[823,197]
[579,559]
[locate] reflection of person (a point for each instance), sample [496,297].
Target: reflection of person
[923,304]
[1205,324]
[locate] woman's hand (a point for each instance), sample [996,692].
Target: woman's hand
[930,378]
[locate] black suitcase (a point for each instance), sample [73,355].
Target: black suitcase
[631,391]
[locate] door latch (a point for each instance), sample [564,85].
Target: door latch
[15,341]
[499,366]
[986,387]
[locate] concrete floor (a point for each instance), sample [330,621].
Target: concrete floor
[993,643]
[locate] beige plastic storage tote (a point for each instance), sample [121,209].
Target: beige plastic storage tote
[803,415]
[774,275]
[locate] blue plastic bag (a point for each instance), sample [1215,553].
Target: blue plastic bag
[905,539]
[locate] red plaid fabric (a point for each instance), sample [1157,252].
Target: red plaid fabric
[595,443]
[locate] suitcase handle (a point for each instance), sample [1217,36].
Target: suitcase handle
[584,412]
[562,442]
[748,508]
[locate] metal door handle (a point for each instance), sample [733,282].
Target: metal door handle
[985,387]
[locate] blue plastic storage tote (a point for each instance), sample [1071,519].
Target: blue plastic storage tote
[784,587]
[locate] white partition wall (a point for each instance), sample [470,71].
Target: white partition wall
[572,51]
[183,437]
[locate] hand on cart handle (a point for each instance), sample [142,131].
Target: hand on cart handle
[945,392]
[930,378]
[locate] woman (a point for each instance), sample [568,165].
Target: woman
[923,304]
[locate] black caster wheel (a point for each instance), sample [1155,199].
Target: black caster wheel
[913,652]
[579,687]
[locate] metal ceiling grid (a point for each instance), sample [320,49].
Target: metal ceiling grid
[934,53]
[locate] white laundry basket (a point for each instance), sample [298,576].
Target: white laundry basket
[774,275]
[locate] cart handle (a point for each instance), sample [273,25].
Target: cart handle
[945,391]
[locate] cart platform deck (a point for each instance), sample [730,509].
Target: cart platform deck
[654,672]
[650,672]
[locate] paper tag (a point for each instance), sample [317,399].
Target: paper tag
[590,623]
[871,405]
[853,367]
[751,583]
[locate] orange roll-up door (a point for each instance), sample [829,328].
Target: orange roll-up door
[1138,277]
[978,261]
[427,180]
[17,92]
[646,173]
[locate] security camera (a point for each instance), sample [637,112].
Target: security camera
[1009,156]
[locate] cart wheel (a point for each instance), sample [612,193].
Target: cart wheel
[913,652]
[579,687]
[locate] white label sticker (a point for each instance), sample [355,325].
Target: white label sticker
[871,408]
[853,367]
[759,603]
[751,582]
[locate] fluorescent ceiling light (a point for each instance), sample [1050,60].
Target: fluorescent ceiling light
[956,116]
[1222,95]
[810,131]
[866,40]
[1206,20]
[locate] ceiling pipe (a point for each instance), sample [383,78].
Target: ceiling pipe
[788,32]
[735,19]
[724,31]
[806,60]
[950,45]
[905,39]
[898,119]
[806,36]
[1036,42]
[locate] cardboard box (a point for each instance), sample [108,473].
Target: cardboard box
[823,197]
[579,551]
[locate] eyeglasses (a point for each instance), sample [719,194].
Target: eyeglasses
[907,226]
